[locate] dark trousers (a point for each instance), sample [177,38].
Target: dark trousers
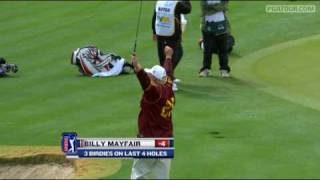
[177,50]
[216,43]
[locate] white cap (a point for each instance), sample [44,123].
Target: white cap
[158,72]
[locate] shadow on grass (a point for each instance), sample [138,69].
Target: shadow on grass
[218,89]
[10,77]
[199,91]
[216,134]
[235,81]
[235,55]
[118,76]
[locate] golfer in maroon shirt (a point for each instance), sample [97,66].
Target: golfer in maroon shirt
[155,117]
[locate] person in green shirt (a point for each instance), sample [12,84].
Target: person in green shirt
[215,31]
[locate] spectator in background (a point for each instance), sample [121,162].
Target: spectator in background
[166,26]
[214,29]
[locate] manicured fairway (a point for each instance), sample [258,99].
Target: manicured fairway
[261,123]
[288,70]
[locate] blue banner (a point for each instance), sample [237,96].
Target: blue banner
[125,153]
[75,147]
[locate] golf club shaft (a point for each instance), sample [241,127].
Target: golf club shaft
[137,29]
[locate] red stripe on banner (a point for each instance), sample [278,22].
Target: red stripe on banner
[162,143]
[65,144]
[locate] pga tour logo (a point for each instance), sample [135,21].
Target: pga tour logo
[69,143]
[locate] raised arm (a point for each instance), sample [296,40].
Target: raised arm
[168,62]
[152,92]
[142,76]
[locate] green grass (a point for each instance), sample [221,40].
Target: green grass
[230,128]
[294,70]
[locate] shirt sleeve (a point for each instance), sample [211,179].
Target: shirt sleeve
[144,79]
[152,93]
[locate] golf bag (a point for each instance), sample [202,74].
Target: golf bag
[91,61]
[6,68]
